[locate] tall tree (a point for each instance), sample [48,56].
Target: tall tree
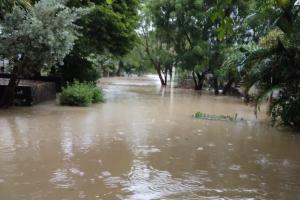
[108,29]
[7,6]
[36,39]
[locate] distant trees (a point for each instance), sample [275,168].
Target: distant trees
[197,32]
[237,43]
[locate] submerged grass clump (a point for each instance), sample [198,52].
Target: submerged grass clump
[81,94]
[201,115]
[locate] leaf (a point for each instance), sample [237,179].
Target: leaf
[109,2]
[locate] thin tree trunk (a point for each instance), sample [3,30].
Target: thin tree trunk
[200,80]
[216,85]
[166,75]
[171,72]
[195,81]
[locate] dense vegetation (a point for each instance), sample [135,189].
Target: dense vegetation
[36,39]
[81,94]
[249,47]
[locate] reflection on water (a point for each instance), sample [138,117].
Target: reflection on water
[143,144]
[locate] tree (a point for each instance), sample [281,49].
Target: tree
[198,31]
[109,29]
[136,61]
[36,39]
[7,6]
[274,67]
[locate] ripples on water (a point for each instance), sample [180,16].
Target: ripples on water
[143,144]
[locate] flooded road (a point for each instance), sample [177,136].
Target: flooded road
[144,144]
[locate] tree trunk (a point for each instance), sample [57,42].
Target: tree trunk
[195,81]
[228,86]
[216,85]
[10,90]
[166,75]
[158,70]
[201,78]
[171,72]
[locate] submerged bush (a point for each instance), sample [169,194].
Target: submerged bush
[97,95]
[80,94]
[204,116]
[286,110]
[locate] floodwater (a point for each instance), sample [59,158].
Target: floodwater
[144,144]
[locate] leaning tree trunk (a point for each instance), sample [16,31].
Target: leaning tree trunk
[161,78]
[10,90]
[195,81]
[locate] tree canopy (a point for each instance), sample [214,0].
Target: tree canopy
[108,29]
[246,44]
[37,39]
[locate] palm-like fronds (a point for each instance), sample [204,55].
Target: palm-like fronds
[275,71]
[274,68]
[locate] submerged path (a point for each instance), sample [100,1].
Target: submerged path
[144,144]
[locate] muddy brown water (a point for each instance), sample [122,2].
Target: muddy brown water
[143,144]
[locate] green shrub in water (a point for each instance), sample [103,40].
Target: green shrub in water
[80,94]
[97,95]
[200,115]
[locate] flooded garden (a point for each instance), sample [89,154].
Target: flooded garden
[143,143]
[149,99]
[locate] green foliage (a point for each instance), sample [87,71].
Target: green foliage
[107,31]
[201,115]
[233,66]
[286,110]
[79,68]
[40,37]
[274,68]
[136,61]
[198,32]
[97,95]
[229,68]
[80,94]
[7,6]
[270,41]
[182,76]
[252,42]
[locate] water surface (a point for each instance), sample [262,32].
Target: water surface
[143,144]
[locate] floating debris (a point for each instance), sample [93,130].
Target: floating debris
[211,144]
[200,149]
[106,173]
[235,167]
